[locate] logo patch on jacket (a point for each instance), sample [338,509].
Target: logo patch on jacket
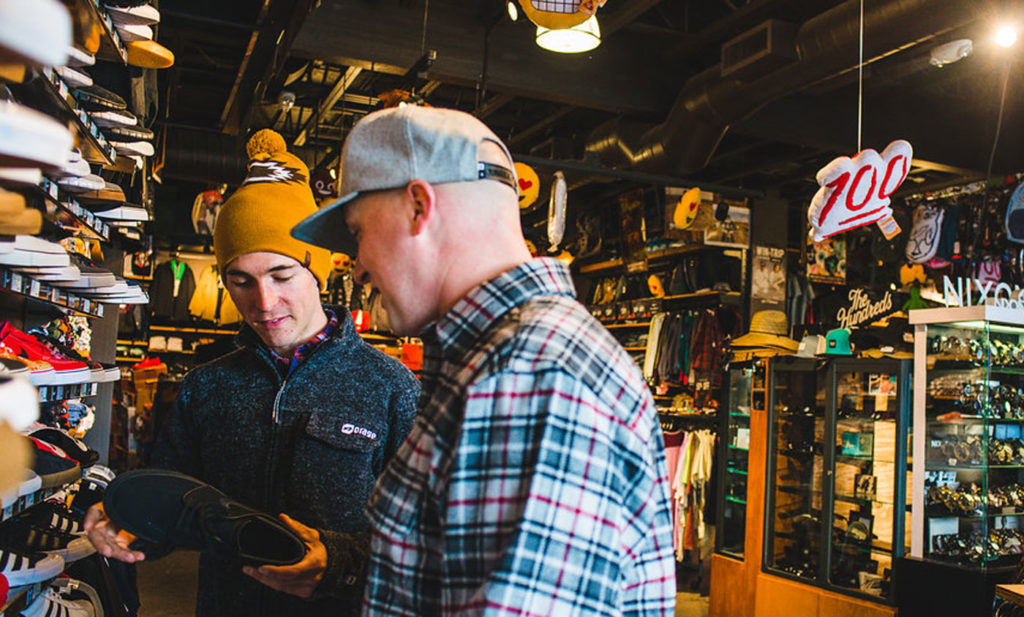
[272,171]
[351,429]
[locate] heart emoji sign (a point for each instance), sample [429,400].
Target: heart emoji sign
[529,185]
[855,191]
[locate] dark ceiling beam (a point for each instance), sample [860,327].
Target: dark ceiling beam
[632,176]
[617,76]
[279,23]
[209,21]
[493,104]
[625,14]
[340,87]
[751,14]
[829,123]
[517,140]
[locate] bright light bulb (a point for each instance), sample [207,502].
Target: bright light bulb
[513,12]
[579,38]
[1006,35]
[334,174]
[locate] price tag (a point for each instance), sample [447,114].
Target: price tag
[16,282]
[34,289]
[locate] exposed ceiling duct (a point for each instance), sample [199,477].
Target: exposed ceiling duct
[825,45]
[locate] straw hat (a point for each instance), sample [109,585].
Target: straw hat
[768,329]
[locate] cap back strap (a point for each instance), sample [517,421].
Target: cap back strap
[489,171]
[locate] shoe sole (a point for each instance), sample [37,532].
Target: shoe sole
[161,517]
[79,548]
[47,568]
[61,477]
[28,258]
[41,35]
[31,138]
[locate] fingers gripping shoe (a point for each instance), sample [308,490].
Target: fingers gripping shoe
[168,510]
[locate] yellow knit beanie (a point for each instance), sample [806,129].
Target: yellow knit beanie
[273,198]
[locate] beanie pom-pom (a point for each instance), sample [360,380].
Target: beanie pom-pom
[265,142]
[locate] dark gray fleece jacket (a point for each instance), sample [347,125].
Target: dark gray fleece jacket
[310,446]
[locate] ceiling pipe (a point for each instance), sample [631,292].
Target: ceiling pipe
[826,46]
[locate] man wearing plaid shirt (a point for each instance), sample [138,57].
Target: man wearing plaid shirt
[533,482]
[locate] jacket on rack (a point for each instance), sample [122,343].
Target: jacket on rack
[310,445]
[171,291]
[211,301]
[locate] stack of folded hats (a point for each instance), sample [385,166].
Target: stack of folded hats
[768,337]
[893,340]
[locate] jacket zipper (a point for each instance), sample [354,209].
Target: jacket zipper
[277,402]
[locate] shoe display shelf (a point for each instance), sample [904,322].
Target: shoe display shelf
[24,285]
[54,394]
[69,214]
[616,264]
[25,502]
[191,330]
[111,46]
[47,91]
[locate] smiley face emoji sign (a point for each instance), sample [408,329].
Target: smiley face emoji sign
[529,185]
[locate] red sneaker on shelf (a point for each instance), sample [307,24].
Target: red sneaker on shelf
[25,346]
[40,373]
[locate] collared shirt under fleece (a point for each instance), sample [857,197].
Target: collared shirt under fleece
[533,482]
[309,442]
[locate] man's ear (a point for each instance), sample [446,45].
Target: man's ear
[423,200]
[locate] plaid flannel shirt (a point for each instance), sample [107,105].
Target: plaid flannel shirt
[287,365]
[533,482]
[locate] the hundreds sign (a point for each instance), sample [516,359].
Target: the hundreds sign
[863,308]
[968,291]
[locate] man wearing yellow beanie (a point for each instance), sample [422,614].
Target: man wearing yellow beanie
[301,419]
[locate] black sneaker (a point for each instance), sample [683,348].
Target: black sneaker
[168,510]
[75,449]
[25,535]
[53,466]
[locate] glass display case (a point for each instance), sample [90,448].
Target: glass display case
[837,472]
[969,399]
[732,514]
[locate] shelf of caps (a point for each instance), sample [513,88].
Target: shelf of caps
[190,330]
[615,264]
[68,213]
[53,394]
[24,285]
[94,145]
[111,45]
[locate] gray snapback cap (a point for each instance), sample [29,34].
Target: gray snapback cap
[392,147]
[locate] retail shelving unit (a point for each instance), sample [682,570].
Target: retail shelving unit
[968,452]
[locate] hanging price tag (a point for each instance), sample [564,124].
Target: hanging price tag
[856,191]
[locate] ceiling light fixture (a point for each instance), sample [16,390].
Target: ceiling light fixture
[950,52]
[579,38]
[513,12]
[1006,35]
